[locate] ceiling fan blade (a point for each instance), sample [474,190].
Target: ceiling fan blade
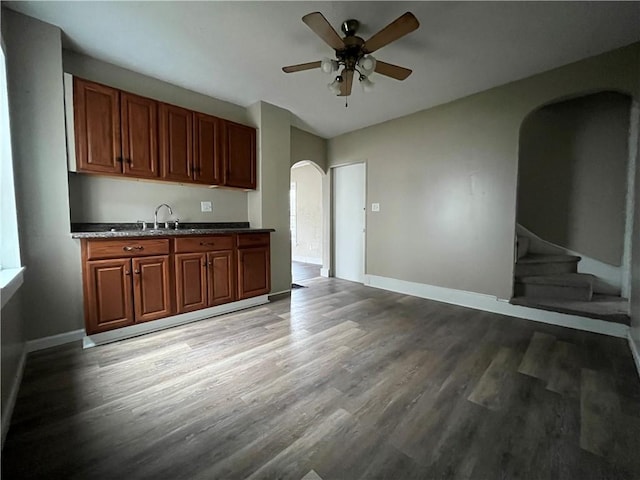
[300,67]
[316,22]
[402,25]
[393,71]
[347,82]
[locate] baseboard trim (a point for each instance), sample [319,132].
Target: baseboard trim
[493,304]
[90,341]
[54,340]
[311,260]
[13,396]
[634,351]
[325,272]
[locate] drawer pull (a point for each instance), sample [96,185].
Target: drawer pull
[129,248]
[208,244]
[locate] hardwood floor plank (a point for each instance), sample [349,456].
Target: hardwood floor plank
[337,381]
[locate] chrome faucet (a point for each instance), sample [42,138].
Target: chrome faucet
[155,215]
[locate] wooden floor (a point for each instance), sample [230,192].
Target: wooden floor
[304,271]
[339,382]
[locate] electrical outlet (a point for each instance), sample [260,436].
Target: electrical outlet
[206,206]
[375,207]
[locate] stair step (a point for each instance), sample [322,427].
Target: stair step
[537,264]
[570,286]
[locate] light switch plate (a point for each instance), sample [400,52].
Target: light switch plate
[206,207]
[375,207]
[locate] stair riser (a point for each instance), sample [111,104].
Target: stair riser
[553,291]
[533,269]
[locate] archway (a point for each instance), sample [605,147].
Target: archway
[574,182]
[306,220]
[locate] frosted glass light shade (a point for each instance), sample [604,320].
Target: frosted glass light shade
[328,66]
[367,65]
[367,85]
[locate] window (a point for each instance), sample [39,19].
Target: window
[10,268]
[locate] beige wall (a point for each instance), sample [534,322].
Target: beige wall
[307,146]
[269,204]
[308,245]
[102,199]
[572,179]
[446,177]
[52,288]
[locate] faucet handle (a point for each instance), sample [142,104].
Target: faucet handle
[143,224]
[177,224]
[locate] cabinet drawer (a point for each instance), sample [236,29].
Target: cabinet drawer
[252,239]
[126,248]
[203,244]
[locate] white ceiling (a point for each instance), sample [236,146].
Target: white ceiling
[234,51]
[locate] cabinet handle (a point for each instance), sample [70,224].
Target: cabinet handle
[119,160]
[204,264]
[129,248]
[208,244]
[136,271]
[210,263]
[127,272]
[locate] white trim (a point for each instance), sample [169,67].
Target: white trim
[325,272]
[54,340]
[13,396]
[634,351]
[168,322]
[283,292]
[493,304]
[312,260]
[10,281]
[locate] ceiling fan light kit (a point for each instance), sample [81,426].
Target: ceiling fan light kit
[353,54]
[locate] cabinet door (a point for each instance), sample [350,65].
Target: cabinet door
[239,156]
[254,273]
[151,296]
[191,281]
[176,147]
[97,127]
[220,277]
[139,117]
[108,291]
[207,155]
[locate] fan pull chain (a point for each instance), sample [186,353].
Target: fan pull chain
[346,102]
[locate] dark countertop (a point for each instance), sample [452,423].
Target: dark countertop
[130,230]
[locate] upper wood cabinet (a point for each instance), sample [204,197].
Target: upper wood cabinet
[207,149]
[176,143]
[96,112]
[139,126]
[119,133]
[115,132]
[239,156]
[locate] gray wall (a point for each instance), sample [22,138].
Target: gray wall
[573,174]
[446,177]
[634,298]
[13,346]
[52,288]
[307,146]
[102,199]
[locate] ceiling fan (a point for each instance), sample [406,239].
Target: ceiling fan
[353,54]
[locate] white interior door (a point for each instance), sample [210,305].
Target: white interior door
[349,217]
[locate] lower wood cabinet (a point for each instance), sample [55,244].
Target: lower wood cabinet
[123,291]
[254,265]
[128,281]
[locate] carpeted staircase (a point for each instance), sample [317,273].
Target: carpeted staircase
[552,282]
